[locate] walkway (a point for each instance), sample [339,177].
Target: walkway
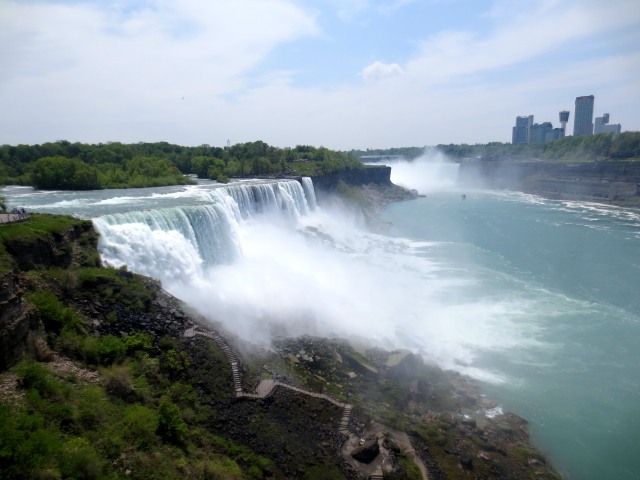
[12,217]
[266,388]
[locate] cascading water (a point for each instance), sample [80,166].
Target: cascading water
[157,242]
[309,192]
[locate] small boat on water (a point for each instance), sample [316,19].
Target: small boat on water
[463,197]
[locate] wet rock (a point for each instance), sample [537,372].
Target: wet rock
[366,452]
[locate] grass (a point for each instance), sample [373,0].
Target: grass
[37,233]
[306,169]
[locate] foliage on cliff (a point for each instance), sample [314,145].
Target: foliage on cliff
[141,417]
[63,165]
[569,149]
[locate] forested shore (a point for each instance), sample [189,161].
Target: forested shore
[80,166]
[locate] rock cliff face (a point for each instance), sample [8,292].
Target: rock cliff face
[21,331]
[20,327]
[380,175]
[605,182]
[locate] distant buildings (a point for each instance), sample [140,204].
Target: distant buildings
[521,130]
[602,125]
[544,132]
[526,131]
[583,118]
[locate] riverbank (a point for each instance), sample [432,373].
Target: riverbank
[147,369]
[613,183]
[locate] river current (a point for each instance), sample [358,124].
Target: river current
[534,299]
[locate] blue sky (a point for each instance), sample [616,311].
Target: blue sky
[339,73]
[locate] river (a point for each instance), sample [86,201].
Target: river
[534,299]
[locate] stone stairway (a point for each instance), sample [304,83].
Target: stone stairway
[266,387]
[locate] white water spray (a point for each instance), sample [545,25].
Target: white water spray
[264,261]
[431,172]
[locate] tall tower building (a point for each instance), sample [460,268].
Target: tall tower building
[521,131]
[564,118]
[583,120]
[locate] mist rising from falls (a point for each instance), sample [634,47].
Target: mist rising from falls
[264,260]
[431,172]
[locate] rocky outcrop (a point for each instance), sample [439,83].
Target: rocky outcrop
[605,182]
[380,175]
[42,241]
[21,332]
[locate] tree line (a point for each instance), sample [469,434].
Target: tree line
[80,166]
[604,146]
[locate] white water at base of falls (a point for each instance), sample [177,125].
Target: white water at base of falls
[248,259]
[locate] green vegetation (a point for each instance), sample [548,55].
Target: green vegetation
[66,166]
[351,195]
[569,149]
[66,429]
[44,230]
[408,152]
[3,203]
[320,161]
[143,418]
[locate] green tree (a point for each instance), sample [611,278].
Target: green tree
[53,173]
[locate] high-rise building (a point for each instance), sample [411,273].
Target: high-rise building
[614,128]
[602,125]
[564,118]
[521,130]
[583,119]
[538,132]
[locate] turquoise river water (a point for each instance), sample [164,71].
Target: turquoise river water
[536,300]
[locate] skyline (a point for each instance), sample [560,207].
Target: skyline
[346,74]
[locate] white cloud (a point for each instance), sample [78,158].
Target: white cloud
[379,70]
[175,49]
[87,74]
[518,38]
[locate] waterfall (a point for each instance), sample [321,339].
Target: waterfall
[309,192]
[180,241]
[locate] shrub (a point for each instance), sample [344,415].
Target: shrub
[79,460]
[54,314]
[34,376]
[171,427]
[117,382]
[177,360]
[112,317]
[24,444]
[112,350]
[140,425]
